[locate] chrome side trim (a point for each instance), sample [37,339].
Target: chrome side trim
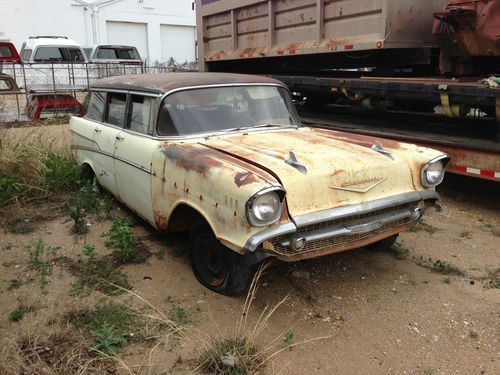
[98,151]
[360,226]
[362,208]
[275,231]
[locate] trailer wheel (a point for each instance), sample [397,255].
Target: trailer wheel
[214,265]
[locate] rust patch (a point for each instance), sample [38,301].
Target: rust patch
[191,159]
[160,219]
[357,139]
[244,178]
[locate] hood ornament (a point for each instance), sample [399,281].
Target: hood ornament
[377,146]
[360,186]
[292,160]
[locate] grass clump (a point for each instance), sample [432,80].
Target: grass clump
[473,334]
[493,284]
[99,273]
[82,202]
[400,252]
[34,171]
[440,266]
[108,324]
[234,356]
[16,315]
[240,353]
[445,267]
[124,244]
[179,316]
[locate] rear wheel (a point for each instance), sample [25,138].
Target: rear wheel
[214,265]
[385,244]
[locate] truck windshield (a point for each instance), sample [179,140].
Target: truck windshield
[216,109]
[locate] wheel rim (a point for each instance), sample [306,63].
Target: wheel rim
[210,260]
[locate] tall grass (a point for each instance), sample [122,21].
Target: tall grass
[34,171]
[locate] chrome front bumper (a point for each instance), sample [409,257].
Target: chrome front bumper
[340,225]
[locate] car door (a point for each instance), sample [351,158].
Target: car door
[106,136]
[133,156]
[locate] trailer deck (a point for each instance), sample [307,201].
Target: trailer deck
[473,150]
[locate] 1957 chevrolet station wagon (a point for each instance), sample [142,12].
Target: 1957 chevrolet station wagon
[225,157]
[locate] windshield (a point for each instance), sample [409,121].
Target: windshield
[217,109]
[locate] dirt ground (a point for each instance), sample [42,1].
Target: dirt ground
[382,312]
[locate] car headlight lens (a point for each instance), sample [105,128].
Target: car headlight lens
[433,172]
[264,208]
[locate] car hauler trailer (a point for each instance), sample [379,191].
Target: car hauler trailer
[380,55]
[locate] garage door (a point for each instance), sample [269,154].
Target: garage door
[177,42]
[130,34]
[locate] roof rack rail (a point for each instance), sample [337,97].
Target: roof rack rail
[48,36]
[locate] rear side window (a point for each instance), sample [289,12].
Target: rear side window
[48,54]
[141,109]
[96,106]
[58,54]
[117,53]
[5,52]
[115,109]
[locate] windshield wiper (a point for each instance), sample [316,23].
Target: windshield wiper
[256,127]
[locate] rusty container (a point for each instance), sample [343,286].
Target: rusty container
[341,31]
[468,32]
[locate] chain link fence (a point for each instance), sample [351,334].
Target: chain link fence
[29,92]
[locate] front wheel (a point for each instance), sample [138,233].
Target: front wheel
[214,265]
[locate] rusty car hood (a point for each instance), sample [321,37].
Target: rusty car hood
[341,167]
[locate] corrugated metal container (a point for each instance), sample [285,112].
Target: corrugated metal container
[244,29]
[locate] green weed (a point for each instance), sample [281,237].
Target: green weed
[288,337]
[445,267]
[123,242]
[107,340]
[447,280]
[40,262]
[98,273]
[473,334]
[81,203]
[400,252]
[16,315]
[179,316]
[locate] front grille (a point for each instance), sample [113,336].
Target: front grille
[338,240]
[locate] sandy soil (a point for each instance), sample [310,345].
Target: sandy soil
[381,315]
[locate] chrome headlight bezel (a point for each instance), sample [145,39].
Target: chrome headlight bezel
[279,192]
[441,161]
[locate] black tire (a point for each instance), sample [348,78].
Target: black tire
[88,177]
[214,265]
[385,244]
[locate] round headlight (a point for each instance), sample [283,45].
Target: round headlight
[433,174]
[264,209]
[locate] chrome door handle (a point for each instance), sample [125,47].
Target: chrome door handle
[97,130]
[119,138]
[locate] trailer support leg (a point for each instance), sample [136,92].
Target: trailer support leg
[498,119]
